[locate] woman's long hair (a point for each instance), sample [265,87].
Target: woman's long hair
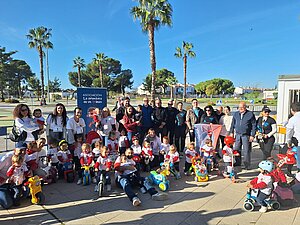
[54,114]
[17,111]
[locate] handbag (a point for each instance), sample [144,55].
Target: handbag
[16,136]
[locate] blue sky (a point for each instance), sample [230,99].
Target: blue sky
[250,42]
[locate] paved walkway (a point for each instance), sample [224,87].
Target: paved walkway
[216,202]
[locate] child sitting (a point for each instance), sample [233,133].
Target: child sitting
[39,119]
[173,157]
[208,152]
[52,152]
[103,165]
[164,149]
[263,184]
[17,173]
[190,153]
[113,145]
[228,155]
[123,142]
[97,150]
[64,155]
[155,143]
[137,152]
[86,159]
[32,158]
[147,155]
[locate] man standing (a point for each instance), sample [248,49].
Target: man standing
[293,130]
[171,116]
[244,125]
[159,119]
[193,117]
[146,118]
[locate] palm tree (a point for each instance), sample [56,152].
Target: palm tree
[100,59]
[39,39]
[79,63]
[152,14]
[184,53]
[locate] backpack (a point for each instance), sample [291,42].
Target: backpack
[16,136]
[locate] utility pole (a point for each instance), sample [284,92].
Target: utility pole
[48,86]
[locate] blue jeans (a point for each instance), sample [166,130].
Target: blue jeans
[130,180]
[104,140]
[107,176]
[242,141]
[261,199]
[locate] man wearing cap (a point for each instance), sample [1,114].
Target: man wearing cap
[171,117]
[293,130]
[244,126]
[266,128]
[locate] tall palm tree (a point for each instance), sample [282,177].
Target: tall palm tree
[184,53]
[39,39]
[152,14]
[100,59]
[79,63]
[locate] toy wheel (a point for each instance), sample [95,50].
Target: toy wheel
[41,198]
[100,188]
[84,180]
[196,179]
[208,167]
[70,177]
[162,186]
[275,205]
[248,206]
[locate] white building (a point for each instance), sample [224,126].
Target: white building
[179,88]
[269,95]
[288,93]
[141,90]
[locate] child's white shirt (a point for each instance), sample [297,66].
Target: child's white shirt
[103,162]
[208,150]
[53,154]
[137,149]
[96,152]
[122,141]
[165,147]
[188,152]
[18,176]
[228,157]
[77,150]
[173,157]
[267,179]
[86,156]
[64,155]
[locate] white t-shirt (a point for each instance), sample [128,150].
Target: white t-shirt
[268,180]
[188,153]
[18,176]
[53,153]
[228,157]
[56,125]
[128,162]
[28,125]
[96,152]
[64,155]
[207,150]
[76,127]
[137,149]
[103,162]
[107,123]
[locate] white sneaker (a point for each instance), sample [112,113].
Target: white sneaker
[160,196]
[79,181]
[263,209]
[108,187]
[96,188]
[94,180]
[136,201]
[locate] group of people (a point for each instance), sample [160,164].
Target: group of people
[156,133]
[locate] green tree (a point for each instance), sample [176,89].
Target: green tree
[35,85]
[54,86]
[85,79]
[100,61]
[79,64]
[39,39]
[152,14]
[21,72]
[162,81]
[215,87]
[122,81]
[5,59]
[184,53]
[170,81]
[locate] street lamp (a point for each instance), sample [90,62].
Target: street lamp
[48,86]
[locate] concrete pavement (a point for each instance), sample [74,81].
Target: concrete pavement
[218,201]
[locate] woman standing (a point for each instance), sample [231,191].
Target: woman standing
[209,116]
[266,128]
[25,125]
[108,123]
[225,121]
[56,123]
[129,122]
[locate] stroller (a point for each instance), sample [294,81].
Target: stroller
[92,136]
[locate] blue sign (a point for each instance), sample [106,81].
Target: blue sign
[89,98]
[3,131]
[219,102]
[251,101]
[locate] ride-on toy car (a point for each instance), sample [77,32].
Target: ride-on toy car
[34,184]
[250,201]
[160,178]
[86,175]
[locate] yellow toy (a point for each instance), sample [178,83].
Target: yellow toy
[34,184]
[199,169]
